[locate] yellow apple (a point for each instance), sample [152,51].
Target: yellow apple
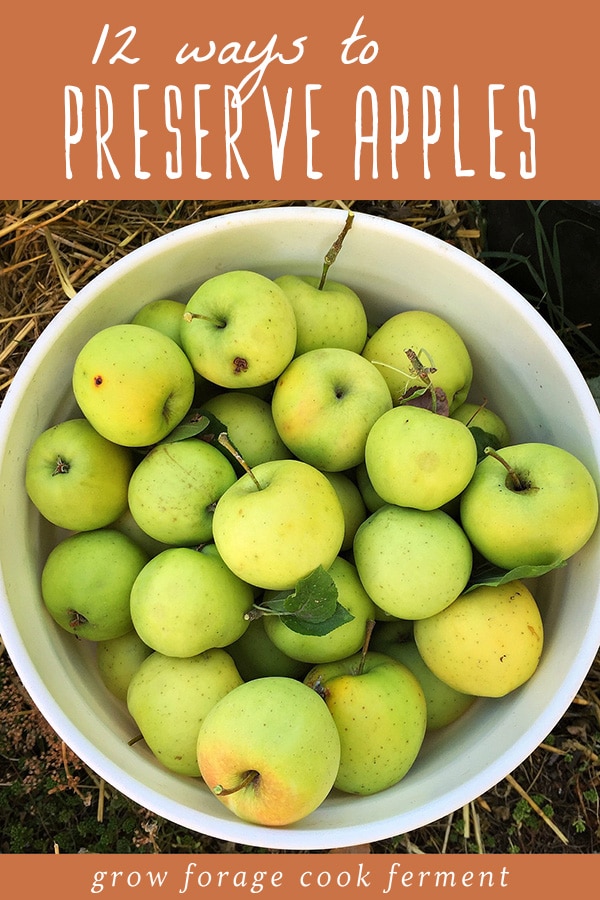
[173,491]
[380,712]
[118,659]
[278,525]
[163,315]
[169,698]
[330,316]
[186,601]
[542,509]
[76,478]
[481,416]
[415,457]
[438,348]
[133,383]
[412,563]
[487,643]
[353,505]
[269,751]
[249,424]
[239,329]
[324,405]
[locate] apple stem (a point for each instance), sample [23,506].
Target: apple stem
[134,740]
[517,483]
[363,653]
[481,406]
[188,316]
[248,778]
[223,439]
[331,255]
[257,612]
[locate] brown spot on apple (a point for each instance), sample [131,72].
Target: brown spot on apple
[240,365]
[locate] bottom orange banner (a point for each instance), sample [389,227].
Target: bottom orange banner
[166,877]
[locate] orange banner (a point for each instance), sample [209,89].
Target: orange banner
[249,100]
[295,876]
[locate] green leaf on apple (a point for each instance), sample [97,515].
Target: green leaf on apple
[305,626]
[195,423]
[313,598]
[483,439]
[491,576]
[311,607]
[206,426]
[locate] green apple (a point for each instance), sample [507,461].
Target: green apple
[389,632]
[380,712]
[330,316]
[118,659]
[239,329]
[532,504]
[256,656]
[164,316]
[169,698]
[481,416]
[415,457]
[487,643]
[278,523]
[371,498]
[412,563]
[174,489]
[324,405]
[76,478]
[342,641]
[444,704]
[382,616]
[186,601]
[127,524]
[353,505]
[249,424]
[86,583]
[438,348]
[269,751]
[133,384]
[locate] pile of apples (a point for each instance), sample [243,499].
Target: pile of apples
[297,544]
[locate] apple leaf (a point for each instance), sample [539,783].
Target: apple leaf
[483,439]
[191,426]
[313,598]
[491,576]
[310,608]
[302,626]
[211,435]
[203,424]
